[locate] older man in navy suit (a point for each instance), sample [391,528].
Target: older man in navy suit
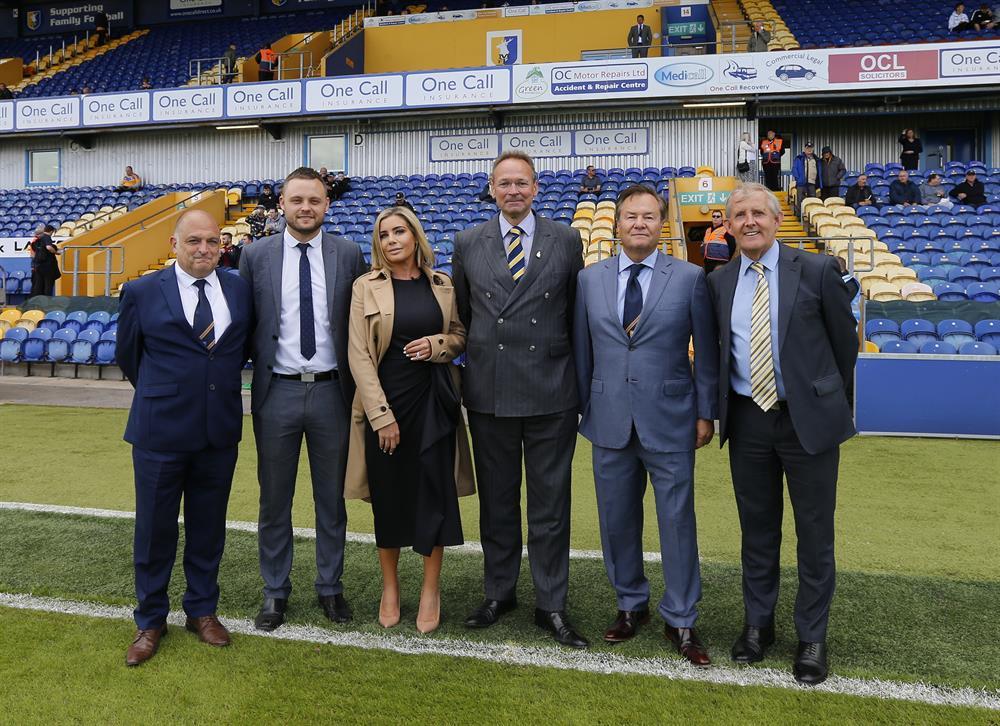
[182,342]
[646,411]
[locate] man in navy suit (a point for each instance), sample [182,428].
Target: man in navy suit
[787,354]
[182,342]
[646,411]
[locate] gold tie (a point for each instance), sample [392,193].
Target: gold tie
[763,389]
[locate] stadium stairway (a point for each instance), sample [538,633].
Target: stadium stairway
[791,227]
[735,29]
[78,60]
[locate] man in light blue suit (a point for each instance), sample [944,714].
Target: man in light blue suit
[645,411]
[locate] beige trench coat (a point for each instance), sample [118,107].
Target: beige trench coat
[369,336]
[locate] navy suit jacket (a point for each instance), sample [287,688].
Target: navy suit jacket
[818,345]
[186,397]
[645,381]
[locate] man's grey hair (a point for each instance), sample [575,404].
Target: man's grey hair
[749,189]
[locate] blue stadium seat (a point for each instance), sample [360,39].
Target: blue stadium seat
[82,352]
[988,331]
[983,292]
[104,353]
[67,335]
[10,350]
[898,346]
[918,331]
[17,333]
[880,330]
[56,350]
[949,291]
[977,349]
[90,335]
[938,347]
[955,331]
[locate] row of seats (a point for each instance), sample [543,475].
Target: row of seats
[58,350]
[948,337]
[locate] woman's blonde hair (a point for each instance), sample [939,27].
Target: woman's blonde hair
[425,255]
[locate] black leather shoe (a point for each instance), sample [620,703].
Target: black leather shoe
[489,612]
[335,608]
[626,625]
[557,624]
[688,644]
[271,614]
[810,667]
[753,643]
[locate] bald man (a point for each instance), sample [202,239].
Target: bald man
[182,343]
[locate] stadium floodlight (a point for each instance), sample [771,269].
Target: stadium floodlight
[717,104]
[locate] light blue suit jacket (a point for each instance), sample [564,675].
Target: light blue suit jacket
[646,381]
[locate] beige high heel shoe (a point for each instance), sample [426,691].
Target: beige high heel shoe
[387,618]
[428,622]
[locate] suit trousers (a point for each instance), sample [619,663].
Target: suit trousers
[317,411]
[763,447]
[204,479]
[772,176]
[640,51]
[547,443]
[620,480]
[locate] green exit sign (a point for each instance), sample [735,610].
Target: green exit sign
[696,199]
[693,28]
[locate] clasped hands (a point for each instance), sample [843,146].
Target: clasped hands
[388,435]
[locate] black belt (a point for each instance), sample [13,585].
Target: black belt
[778,406]
[309,377]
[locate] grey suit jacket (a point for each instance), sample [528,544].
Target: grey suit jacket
[818,345]
[646,381]
[519,360]
[260,265]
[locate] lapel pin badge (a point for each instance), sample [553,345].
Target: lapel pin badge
[538,254]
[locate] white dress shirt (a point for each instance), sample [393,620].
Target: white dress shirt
[527,226]
[644,279]
[288,357]
[213,291]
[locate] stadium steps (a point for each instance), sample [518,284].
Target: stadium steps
[734,37]
[781,37]
[86,56]
[791,227]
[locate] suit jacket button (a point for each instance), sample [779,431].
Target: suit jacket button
[211,356]
[489,295]
[531,348]
[534,322]
[500,321]
[546,296]
[211,386]
[500,346]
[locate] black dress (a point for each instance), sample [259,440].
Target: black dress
[413,492]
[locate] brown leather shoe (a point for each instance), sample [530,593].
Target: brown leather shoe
[626,625]
[689,645]
[144,646]
[209,630]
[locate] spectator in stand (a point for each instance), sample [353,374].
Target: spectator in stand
[401,202]
[958,22]
[718,246]
[860,194]
[903,191]
[983,18]
[44,261]
[807,171]
[340,185]
[746,160]
[229,259]
[130,181]
[267,199]
[245,239]
[267,62]
[759,39]
[912,149]
[486,195]
[146,84]
[5,93]
[323,172]
[86,89]
[257,221]
[932,193]
[101,28]
[228,65]
[832,172]
[772,148]
[640,36]
[274,223]
[970,192]
[590,184]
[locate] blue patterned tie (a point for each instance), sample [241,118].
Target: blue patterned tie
[307,325]
[515,254]
[204,323]
[633,300]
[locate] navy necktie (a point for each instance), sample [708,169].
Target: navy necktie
[633,300]
[204,323]
[307,325]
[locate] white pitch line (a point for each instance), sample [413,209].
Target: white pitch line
[547,657]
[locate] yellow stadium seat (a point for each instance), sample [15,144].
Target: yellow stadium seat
[834,201]
[870,347]
[28,325]
[606,204]
[234,197]
[32,315]
[917,292]
[883,292]
[867,278]
[705,171]
[590,258]
[583,214]
[586,205]
[603,223]
[900,276]
[604,246]
[10,316]
[4,327]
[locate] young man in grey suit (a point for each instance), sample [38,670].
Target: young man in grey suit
[301,282]
[646,411]
[515,280]
[786,369]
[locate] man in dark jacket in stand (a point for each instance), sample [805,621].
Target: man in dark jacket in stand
[903,191]
[832,171]
[970,192]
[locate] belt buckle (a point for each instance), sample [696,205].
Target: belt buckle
[308,378]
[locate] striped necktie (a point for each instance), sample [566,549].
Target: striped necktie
[204,323]
[515,253]
[763,389]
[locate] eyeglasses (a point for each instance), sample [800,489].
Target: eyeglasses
[716,216]
[520,184]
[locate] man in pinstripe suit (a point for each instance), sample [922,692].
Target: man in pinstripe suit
[515,278]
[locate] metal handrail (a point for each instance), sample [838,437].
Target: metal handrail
[107,271]
[214,71]
[305,69]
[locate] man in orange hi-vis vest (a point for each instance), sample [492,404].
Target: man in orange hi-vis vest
[772,148]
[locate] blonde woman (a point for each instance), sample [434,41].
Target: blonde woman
[746,160]
[408,454]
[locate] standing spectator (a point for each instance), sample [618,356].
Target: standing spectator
[718,246]
[44,262]
[746,159]
[340,185]
[229,64]
[832,172]
[970,191]
[860,194]
[274,223]
[806,170]
[267,61]
[982,19]
[759,39]
[640,36]
[909,157]
[5,93]
[772,148]
[257,221]
[267,198]
[401,202]
[590,184]
[324,172]
[130,181]
[903,191]
[931,192]
[486,195]
[101,28]
[958,22]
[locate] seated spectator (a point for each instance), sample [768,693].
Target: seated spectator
[590,184]
[486,195]
[274,223]
[958,22]
[86,89]
[5,93]
[339,186]
[230,257]
[401,202]
[860,194]
[931,192]
[903,191]
[983,18]
[267,199]
[146,84]
[244,241]
[323,172]
[257,221]
[130,181]
[970,191]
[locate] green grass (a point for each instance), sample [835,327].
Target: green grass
[73,673]
[922,507]
[896,627]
